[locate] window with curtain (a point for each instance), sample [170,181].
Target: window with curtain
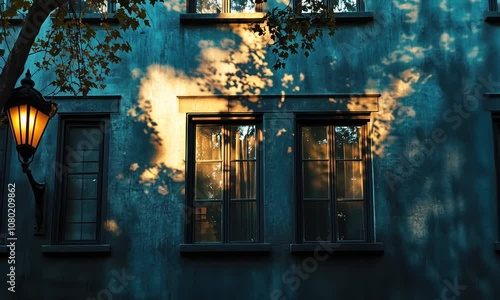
[224,193]
[83,148]
[333,179]
[223,6]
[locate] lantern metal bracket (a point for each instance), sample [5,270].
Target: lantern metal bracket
[39,193]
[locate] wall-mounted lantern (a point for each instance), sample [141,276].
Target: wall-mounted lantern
[29,113]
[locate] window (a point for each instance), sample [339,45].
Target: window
[88,9]
[223,6]
[82,155]
[223,168]
[334,184]
[337,5]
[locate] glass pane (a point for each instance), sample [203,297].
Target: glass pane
[89,211]
[74,187]
[350,220]
[317,220]
[91,154]
[316,179]
[344,5]
[242,6]
[243,180]
[314,142]
[209,143]
[74,167]
[89,186]
[74,211]
[91,167]
[89,231]
[209,6]
[83,138]
[243,142]
[208,222]
[349,180]
[73,232]
[348,142]
[243,218]
[208,181]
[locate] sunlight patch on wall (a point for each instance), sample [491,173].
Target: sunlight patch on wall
[411,7]
[175,5]
[446,41]
[444,6]
[112,226]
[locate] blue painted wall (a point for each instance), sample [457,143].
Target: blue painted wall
[434,177]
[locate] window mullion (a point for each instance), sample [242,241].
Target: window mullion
[226,176]
[333,187]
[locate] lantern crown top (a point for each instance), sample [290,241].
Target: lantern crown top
[27,81]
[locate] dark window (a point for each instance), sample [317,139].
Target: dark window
[82,157]
[333,175]
[223,164]
[494,4]
[89,9]
[496,130]
[223,6]
[336,5]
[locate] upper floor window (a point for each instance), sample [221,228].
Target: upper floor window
[334,205]
[224,186]
[89,9]
[223,6]
[82,176]
[336,5]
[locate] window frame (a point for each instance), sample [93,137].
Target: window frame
[66,120]
[360,6]
[112,6]
[226,4]
[496,148]
[225,120]
[368,204]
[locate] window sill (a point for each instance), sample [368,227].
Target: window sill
[492,16]
[497,247]
[76,249]
[331,248]
[261,248]
[194,18]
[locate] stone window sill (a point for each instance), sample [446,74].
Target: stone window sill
[194,18]
[262,248]
[492,16]
[332,248]
[76,249]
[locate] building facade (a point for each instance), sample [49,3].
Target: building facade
[366,171]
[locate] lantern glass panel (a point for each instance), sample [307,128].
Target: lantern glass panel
[40,124]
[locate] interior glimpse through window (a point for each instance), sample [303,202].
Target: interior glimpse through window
[225,183]
[225,6]
[333,183]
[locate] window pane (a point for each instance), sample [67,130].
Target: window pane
[243,180]
[208,181]
[73,232]
[348,142]
[90,186]
[344,5]
[83,138]
[317,220]
[314,142]
[349,180]
[74,211]
[243,221]
[316,183]
[89,208]
[208,222]
[242,6]
[350,220]
[89,231]
[209,143]
[243,142]
[209,6]
[74,187]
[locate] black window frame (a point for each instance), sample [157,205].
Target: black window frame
[332,121]
[496,139]
[226,120]
[360,5]
[226,4]
[493,5]
[112,6]
[95,120]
